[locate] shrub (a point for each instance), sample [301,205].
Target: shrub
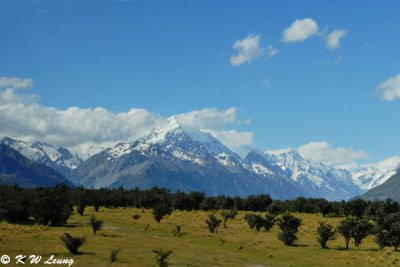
[213,223]
[136,216]
[289,225]
[176,231]
[114,255]
[269,221]
[73,243]
[96,224]
[325,233]
[162,257]
[228,215]
[160,210]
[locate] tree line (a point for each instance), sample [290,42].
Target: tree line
[54,205]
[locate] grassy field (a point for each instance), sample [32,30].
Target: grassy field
[235,245]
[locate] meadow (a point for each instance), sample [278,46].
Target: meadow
[236,245]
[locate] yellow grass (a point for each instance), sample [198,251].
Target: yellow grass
[236,245]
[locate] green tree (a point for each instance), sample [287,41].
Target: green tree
[325,233]
[289,226]
[345,228]
[160,210]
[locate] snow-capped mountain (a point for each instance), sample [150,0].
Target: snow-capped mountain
[16,169]
[317,179]
[374,174]
[180,159]
[59,159]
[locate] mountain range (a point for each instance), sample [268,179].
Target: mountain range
[17,169]
[179,158]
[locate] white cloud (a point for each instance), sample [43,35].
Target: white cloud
[86,130]
[300,30]
[15,82]
[389,90]
[208,118]
[326,153]
[333,39]
[233,139]
[279,151]
[271,51]
[248,50]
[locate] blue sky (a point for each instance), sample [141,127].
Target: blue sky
[173,57]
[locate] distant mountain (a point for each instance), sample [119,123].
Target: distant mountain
[17,169]
[60,159]
[374,174]
[389,189]
[317,179]
[177,158]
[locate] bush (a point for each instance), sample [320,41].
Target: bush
[213,223]
[160,210]
[176,231]
[96,224]
[114,255]
[162,257]
[73,243]
[269,221]
[289,225]
[325,233]
[136,216]
[228,215]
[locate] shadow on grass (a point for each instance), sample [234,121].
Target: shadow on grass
[109,235]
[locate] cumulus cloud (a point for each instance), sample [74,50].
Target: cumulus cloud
[333,39]
[389,90]
[88,130]
[248,50]
[15,82]
[300,30]
[327,153]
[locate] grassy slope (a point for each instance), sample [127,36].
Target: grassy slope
[197,247]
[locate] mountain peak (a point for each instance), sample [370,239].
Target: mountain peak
[159,135]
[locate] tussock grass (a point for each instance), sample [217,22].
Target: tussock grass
[241,246]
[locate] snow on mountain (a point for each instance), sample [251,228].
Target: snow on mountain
[317,179]
[59,159]
[374,174]
[179,159]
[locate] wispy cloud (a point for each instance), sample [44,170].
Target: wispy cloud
[16,82]
[333,39]
[300,30]
[271,51]
[389,90]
